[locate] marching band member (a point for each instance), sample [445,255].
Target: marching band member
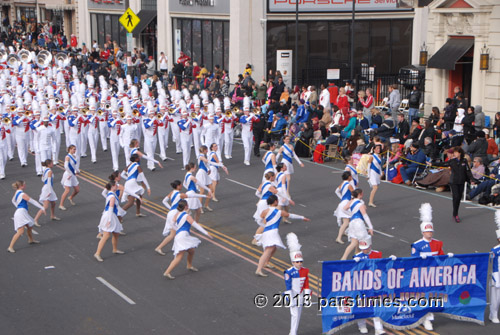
[270,238]
[282,187]
[202,175]
[151,125]
[163,130]
[128,133]
[215,164]
[354,173]
[366,252]
[344,192]
[22,219]
[296,281]
[185,130]
[427,246]
[176,117]
[288,153]
[264,191]
[21,124]
[375,172]
[269,159]
[69,179]
[358,223]
[110,224]
[104,129]
[197,122]
[174,197]
[183,241]
[495,275]
[75,122]
[191,184]
[115,125]
[246,121]
[46,139]
[84,133]
[134,150]
[48,195]
[132,189]
[93,129]
[3,148]
[58,118]
[35,146]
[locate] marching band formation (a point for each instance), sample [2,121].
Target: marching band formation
[41,99]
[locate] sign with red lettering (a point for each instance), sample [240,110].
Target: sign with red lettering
[339,5]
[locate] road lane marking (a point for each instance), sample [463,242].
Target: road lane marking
[245,185]
[114,289]
[382,233]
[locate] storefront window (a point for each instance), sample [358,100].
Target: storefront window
[205,41]
[26,13]
[339,33]
[380,46]
[106,29]
[318,45]
[401,44]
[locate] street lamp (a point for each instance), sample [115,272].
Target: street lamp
[484,60]
[423,55]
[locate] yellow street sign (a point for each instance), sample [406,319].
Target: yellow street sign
[129,20]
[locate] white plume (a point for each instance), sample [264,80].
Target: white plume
[426,212]
[293,242]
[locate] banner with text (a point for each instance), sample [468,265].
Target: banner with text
[403,291]
[338,5]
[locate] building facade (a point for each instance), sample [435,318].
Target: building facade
[459,31]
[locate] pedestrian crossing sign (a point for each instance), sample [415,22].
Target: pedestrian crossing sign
[129,20]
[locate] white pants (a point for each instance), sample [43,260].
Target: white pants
[228,142]
[38,162]
[185,140]
[11,143]
[93,137]
[22,147]
[163,141]
[376,323]
[149,149]
[46,153]
[56,146]
[197,140]
[295,313]
[66,132]
[3,157]
[176,134]
[494,301]
[104,130]
[220,144]
[114,143]
[76,141]
[247,138]
[84,135]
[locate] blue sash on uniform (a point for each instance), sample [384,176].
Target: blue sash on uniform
[185,226]
[269,218]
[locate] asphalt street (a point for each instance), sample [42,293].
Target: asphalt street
[57,287]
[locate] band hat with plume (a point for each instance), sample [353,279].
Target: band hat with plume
[426,218]
[365,243]
[497,221]
[294,246]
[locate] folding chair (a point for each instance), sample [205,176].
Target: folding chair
[332,152]
[422,172]
[382,105]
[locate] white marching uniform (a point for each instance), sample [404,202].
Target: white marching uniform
[375,171]
[282,187]
[132,186]
[150,138]
[183,239]
[121,211]
[185,131]
[214,166]
[354,175]
[262,204]
[211,131]
[197,123]
[75,128]
[47,193]
[174,199]
[128,133]
[46,141]
[345,196]
[21,131]
[288,154]
[271,237]
[21,216]
[202,175]
[57,122]
[247,134]
[175,131]
[104,130]
[115,127]
[70,170]
[3,150]
[163,135]
[93,135]
[189,184]
[35,146]
[109,220]
[358,223]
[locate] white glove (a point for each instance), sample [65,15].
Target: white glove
[393,257]
[450,254]
[423,256]
[357,259]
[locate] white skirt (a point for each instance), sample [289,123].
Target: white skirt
[184,241]
[289,166]
[69,180]
[357,229]
[373,178]
[193,203]
[341,213]
[22,218]
[214,173]
[261,206]
[132,187]
[109,223]
[203,177]
[169,222]
[270,238]
[282,201]
[121,211]
[47,194]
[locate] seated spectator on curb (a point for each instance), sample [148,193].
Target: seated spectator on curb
[414,164]
[376,117]
[486,185]
[403,128]
[477,169]
[479,147]
[428,131]
[386,129]
[362,123]
[429,148]
[346,133]
[415,130]
[492,151]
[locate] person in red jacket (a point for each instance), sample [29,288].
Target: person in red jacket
[73,41]
[334,92]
